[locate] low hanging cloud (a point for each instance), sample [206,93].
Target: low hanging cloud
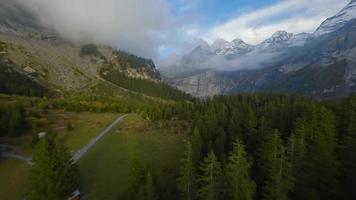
[253,60]
[137,26]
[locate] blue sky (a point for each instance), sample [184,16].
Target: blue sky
[250,20]
[210,12]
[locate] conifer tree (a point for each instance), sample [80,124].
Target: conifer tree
[317,177]
[186,181]
[274,168]
[240,184]
[348,149]
[196,146]
[53,175]
[296,152]
[210,179]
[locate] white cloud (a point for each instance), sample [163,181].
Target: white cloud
[138,26]
[291,15]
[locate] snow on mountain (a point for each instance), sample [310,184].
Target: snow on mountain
[336,22]
[279,39]
[219,44]
[235,47]
[300,39]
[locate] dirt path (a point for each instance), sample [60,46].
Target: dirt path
[81,152]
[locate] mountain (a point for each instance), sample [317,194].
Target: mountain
[235,48]
[37,57]
[321,64]
[336,22]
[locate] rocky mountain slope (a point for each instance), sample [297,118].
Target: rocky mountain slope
[39,54]
[321,64]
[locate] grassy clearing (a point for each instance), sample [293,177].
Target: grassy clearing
[13,175]
[104,170]
[85,127]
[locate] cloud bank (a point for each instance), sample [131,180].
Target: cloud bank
[137,26]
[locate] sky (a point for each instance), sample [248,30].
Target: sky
[160,29]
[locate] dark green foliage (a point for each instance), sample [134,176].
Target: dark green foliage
[90,50]
[144,86]
[196,145]
[316,177]
[186,180]
[300,148]
[129,60]
[274,168]
[210,179]
[141,184]
[238,175]
[12,119]
[292,141]
[53,175]
[347,148]
[14,82]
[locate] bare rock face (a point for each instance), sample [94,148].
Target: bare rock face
[204,84]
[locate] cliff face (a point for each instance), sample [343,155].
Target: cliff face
[202,84]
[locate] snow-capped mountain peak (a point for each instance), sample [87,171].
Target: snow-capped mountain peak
[202,44]
[279,36]
[339,20]
[219,44]
[237,46]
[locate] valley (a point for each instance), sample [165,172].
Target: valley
[89,108]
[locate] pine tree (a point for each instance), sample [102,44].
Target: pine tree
[240,184]
[53,175]
[348,149]
[196,144]
[210,179]
[274,168]
[317,175]
[186,181]
[296,151]
[220,142]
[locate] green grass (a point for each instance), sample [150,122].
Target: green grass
[104,170]
[86,126]
[13,175]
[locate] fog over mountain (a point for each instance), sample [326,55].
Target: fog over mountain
[136,26]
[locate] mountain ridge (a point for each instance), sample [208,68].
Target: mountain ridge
[291,54]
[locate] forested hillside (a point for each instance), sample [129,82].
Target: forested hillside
[271,147]
[143,86]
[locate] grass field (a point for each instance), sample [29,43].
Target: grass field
[86,126]
[104,170]
[13,175]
